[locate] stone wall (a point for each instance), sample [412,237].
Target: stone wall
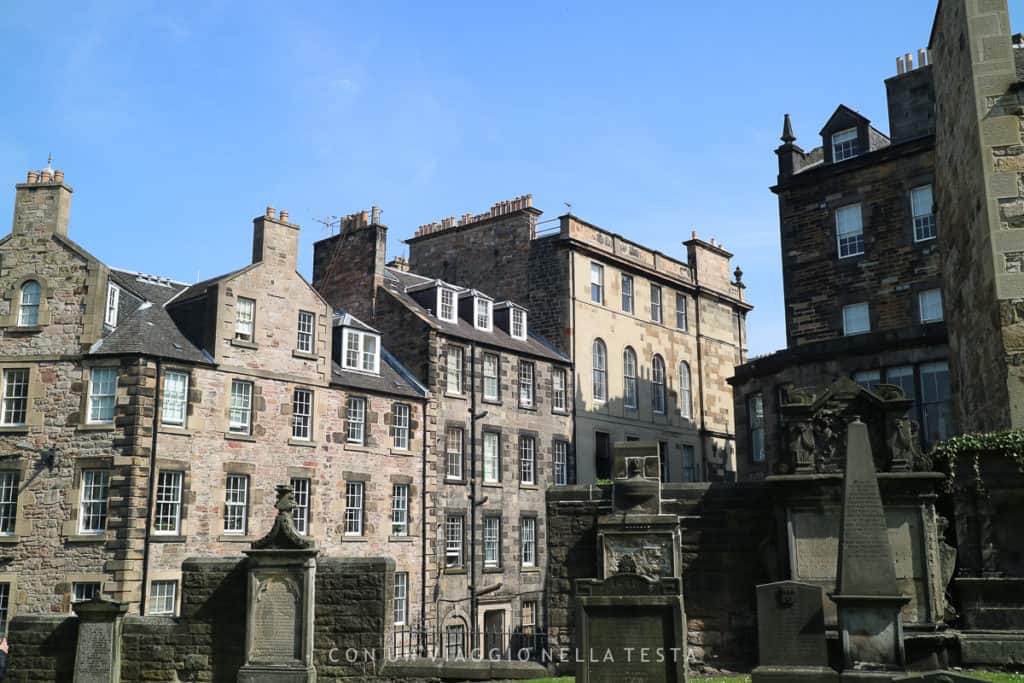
[726,552]
[979,166]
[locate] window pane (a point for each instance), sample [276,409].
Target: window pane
[627,294]
[558,395]
[92,513]
[454,370]
[370,353]
[526,384]
[102,388]
[561,463]
[600,371]
[9,502]
[491,386]
[483,314]
[15,396]
[113,296]
[856,319]
[680,311]
[400,510]
[453,541]
[685,391]
[923,209]
[447,307]
[236,502]
[755,418]
[658,382]
[28,313]
[240,417]
[355,420]
[930,305]
[302,414]
[936,406]
[353,508]
[844,145]
[453,452]
[629,394]
[401,598]
[492,541]
[5,599]
[244,314]
[518,324]
[163,597]
[352,349]
[300,513]
[656,303]
[528,541]
[304,342]
[167,514]
[492,464]
[596,283]
[849,232]
[175,398]
[527,459]
[400,426]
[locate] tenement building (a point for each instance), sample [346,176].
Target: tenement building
[145,421]
[860,258]
[499,427]
[653,339]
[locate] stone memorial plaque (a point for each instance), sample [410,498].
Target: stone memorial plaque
[94,657]
[791,624]
[276,617]
[652,553]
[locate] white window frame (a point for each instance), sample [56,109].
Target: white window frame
[399,509]
[174,401]
[354,354]
[630,398]
[628,293]
[681,312]
[9,483]
[527,384]
[355,420]
[245,319]
[400,604]
[163,598]
[444,294]
[301,492]
[924,216]
[561,462]
[14,410]
[849,230]
[98,392]
[83,591]
[492,457]
[5,602]
[517,324]
[483,314]
[240,407]
[685,390]
[454,358]
[305,332]
[29,299]
[559,390]
[929,305]
[659,395]
[492,376]
[236,504]
[302,414]
[167,508]
[657,304]
[93,503]
[400,413]
[454,535]
[844,145]
[453,449]
[600,371]
[854,310]
[113,301]
[596,283]
[528,617]
[527,460]
[492,541]
[353,519]
[528,541]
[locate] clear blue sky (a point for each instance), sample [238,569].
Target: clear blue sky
[177,123]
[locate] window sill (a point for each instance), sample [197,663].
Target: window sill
[304,443]
[178,431]
[23,329]
[353,539]
[85,538]
[529,409]
[235,538]
[491,401]
[454,570]
[401,451]
[492,485]
[558,411]
[10,539]
[493,570]
[529,570]
[242,344]
[239,437]
[401,539]
[358,448]
[456,482]
[13,429]
[305,355]
[105,427]
[529,487]
[167,538]
[461,397]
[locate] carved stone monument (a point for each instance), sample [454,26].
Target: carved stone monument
[791,635]
[630,623]
[867,597]
[279,614]
[98,653]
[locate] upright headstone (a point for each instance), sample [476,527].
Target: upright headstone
[279,613]
[791,635]
[98,653]
[867,597]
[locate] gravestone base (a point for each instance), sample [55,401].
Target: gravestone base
[98,651]
[255,673]
[796,674]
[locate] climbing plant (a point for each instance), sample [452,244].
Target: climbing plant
[1008,444]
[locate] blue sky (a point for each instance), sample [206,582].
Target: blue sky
[177,123]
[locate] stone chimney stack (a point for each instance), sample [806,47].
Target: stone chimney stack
[42,203]
[275,241]
[348,268]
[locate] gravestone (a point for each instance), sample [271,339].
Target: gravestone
[98,652]
[791,635]
[867,597]
[279,613]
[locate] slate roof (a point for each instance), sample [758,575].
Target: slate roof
[150,331]
[146,287]
[199,288]
[396,282]
[394,378]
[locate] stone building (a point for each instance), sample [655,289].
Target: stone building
[862,282]
[653,339]
[499,428]
[979,84]
[145,421]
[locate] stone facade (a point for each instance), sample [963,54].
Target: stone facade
[979,169]
[861,275]
[450,358]
[504,252]
[152,332]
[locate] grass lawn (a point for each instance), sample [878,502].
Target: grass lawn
[987,675]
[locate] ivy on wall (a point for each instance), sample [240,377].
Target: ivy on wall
[1008,444]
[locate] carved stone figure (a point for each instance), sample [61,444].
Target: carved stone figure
[802,446]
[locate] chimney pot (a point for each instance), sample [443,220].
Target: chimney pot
[909,59]
[899,66]
[693,234]
[375,214]
[364,218]
[58,176]
[922,56]
[33,177]
[271,212]
[284,216]
[46,176]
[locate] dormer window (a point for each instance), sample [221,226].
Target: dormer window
[360,351]
[483,318]
[113,298]
[844,145]
[518,323]
[446,304]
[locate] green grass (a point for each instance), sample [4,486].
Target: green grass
[987,675]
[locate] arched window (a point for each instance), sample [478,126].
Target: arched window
[600,371]
[685,392]
[629,378]
[658,380]
[28,314]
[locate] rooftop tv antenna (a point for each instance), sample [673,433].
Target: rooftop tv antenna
[568,207]
[329,223]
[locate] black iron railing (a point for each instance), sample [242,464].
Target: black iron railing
[413,641]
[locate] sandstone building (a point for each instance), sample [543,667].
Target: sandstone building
[862,282]
[145,421]
[499,428]
[653,339]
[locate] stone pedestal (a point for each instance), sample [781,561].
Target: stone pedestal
[280,594]
[98,653]
[791,635]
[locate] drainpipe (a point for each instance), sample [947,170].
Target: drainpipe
[700,370]
[152,490]
[423,536]
[472,497]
